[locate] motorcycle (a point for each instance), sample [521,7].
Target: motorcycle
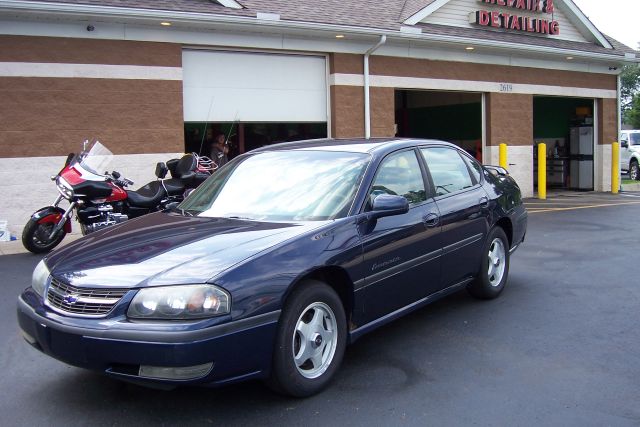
[100,200]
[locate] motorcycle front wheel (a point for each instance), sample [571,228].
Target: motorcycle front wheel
[35,237]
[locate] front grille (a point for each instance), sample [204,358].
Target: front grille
[82,301]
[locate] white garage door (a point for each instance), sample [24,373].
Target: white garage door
[253,87]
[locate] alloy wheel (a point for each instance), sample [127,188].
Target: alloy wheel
[497,262]
[314,340]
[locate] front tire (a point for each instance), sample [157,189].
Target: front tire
[634,171]
[35,237]
[495,266]
[310,342]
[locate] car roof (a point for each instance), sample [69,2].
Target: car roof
[354,145]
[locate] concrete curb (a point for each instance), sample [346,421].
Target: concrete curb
[15,247]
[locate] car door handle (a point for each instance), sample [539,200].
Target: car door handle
[484,202]
[431,219]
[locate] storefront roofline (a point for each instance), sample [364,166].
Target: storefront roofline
[141,16]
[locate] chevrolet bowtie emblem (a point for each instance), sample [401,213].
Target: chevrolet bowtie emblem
[70,299]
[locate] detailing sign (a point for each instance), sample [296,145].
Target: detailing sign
[511,20]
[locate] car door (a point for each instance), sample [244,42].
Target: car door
[464,213]
[401,252]
[625,152]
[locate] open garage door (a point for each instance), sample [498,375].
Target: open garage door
[450,116]
[254,99]
[566,126]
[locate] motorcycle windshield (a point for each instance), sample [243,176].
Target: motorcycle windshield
[97,159]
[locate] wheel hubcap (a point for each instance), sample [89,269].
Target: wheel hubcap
[314,340]
[497,260]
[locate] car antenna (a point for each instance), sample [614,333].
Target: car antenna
[206,123]
[235,120]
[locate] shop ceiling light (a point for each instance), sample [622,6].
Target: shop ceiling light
[569,58]
[165,24]
[470,48]
[339,36]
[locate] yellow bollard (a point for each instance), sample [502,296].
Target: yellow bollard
[503,156]
[542,171]
[615,167]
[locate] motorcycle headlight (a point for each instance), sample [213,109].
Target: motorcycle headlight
[39,278]
[64,188]
[179,302]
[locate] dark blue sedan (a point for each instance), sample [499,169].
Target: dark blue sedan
[277,262]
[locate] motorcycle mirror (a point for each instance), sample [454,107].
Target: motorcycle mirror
[116,174]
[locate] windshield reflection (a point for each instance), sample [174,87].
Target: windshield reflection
[281,186]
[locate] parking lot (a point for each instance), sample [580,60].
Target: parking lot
[561,346]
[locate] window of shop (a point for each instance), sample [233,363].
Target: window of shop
[449,116]
[243,137]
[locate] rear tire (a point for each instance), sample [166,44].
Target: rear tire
[310,341]
[634,171]
[35,237]
[494,269]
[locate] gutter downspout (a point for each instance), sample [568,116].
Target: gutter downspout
[367,107]
[619,124]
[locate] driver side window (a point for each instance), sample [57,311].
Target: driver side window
[399,174]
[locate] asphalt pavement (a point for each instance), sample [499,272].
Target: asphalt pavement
[561,346]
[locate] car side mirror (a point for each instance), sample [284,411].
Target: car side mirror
[388,205]
[496,171]
[624,144]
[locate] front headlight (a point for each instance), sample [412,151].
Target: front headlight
[39,278]
[64,188]
[179,302]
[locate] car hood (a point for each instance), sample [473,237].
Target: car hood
[166,249]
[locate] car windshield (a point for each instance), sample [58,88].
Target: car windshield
[303,185]
[634,138]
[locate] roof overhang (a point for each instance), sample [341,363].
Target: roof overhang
[141,16]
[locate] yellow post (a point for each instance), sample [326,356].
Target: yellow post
[615,167]
[542,170]
[503,156]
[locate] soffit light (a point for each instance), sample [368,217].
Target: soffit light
[339,36]
[165,24]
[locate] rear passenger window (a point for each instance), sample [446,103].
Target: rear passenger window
[474,167]
[448,171]
[399,174]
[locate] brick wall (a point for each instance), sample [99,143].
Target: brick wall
[607,121]
[49,116]
[509,119]
[411,67]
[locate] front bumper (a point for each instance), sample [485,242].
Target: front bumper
[239,349]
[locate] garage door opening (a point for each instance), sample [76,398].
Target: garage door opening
[252,98]
[565,125]
[450,116]
[243,137]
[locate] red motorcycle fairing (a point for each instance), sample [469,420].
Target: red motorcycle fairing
[71,175]
[53,215]
[117,194]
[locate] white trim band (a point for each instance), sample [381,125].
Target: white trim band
[469,86]
[89,71]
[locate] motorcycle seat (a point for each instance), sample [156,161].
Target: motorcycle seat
[150,195]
